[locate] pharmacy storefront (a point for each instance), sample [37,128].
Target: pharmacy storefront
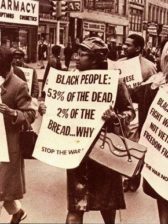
[19,21]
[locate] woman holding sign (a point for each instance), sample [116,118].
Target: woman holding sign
[15,105]
[92,186]
[145,95]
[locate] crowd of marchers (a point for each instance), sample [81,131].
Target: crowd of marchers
[90,186]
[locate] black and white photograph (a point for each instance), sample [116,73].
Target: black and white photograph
[84,111]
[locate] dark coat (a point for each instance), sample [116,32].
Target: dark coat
[15,95]
[42,51]
[143,95]
[68,52]
[17,71]
[92,186]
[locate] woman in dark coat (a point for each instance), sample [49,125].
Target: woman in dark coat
[144,96]
[92,186]
[17,110]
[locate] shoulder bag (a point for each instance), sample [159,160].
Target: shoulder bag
[119,153]
[27,142]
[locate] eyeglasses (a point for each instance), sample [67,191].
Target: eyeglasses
[81,54]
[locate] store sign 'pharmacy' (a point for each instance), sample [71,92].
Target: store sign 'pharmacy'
[19,11]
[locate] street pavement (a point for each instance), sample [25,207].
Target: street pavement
[46,201]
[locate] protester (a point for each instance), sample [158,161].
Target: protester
[150,55]
[144,95]
[53,62]
[17,110]
[18,61]
[42,52]
[134,45]
[112,53]
[68,52]
[92,186]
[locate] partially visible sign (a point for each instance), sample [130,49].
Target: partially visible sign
[101,4]
[94,26]
[74,6]
[19,11]
[154,136]
[29,77]
[164,31]
[4,155]
[108,4]
[130,71]
[152,29]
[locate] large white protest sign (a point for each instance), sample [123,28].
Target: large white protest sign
[29,77]
[4,155]
[154,136]
[130,71]
[75,103]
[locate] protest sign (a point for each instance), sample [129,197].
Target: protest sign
[154,136]
[130,71]
[4,155]
[75,104]
[29,77]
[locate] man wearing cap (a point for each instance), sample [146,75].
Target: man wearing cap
[92,186]
[18,61]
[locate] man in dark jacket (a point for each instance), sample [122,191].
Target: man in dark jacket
[134,45]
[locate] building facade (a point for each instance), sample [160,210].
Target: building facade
[156,19]
[105,18]
[18,26]
[136,16]
[54,30]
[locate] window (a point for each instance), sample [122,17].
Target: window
[109,6]
[136,20]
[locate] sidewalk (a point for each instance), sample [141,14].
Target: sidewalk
[40,72]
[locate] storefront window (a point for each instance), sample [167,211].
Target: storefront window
[14,38]
[61,36]
[23,40]
[10,37]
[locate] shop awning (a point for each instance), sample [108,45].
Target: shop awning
[92,15]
